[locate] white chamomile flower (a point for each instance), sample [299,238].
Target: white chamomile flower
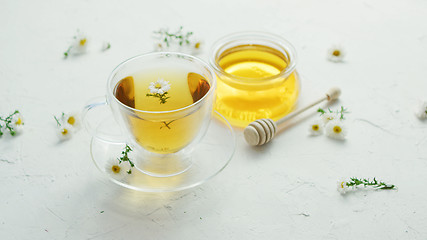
[342,186]
[421,110]
[116,169]
[78,46]
[336,129]
[65,132]
[159,87]
[72,119]
[329,116]
[316,127]
[195,47]
[336,54]
[18,122]
[158,47]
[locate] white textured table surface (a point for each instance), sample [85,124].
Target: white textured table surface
[285,190]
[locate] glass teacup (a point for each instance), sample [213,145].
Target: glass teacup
[163,104]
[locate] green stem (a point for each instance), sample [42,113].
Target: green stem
[125,157]
[366,182]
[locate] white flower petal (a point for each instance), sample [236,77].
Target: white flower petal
[316,127]
[166,87]
[160,86]
[336,54]
[72,119]
[152,89]
[336,129]
[117,170]
[342,186]
[79,44]
[65,132]
[161,81]
[17,123]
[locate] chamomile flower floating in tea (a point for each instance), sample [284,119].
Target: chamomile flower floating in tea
[78,46]
[159,89]
[14,123]
[421,110]
[336,54]
[343,186]
[160,86]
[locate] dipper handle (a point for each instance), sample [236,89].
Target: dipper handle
[262,131]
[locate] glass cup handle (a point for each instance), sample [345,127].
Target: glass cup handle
[99,122]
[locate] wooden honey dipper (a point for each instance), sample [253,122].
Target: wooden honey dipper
[262,131]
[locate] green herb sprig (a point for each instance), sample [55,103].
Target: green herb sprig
[125,157]
[162,97]
[366,182]
[67,53]
[8,124]
[169,37]
[340,112]
[58,122]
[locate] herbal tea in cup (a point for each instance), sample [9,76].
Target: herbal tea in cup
[162,123]
[163,102]
[256,77]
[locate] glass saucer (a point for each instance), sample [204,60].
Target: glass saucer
[210,157]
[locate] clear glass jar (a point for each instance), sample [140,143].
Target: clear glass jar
[256,77]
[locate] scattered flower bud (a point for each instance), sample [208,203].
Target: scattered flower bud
[336,54]
[421,110]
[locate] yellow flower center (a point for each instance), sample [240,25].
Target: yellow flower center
[158,86]
[115,169]
[19,121]
[337,129]
[64,131]
[336,53]
[82,42]
[342,184]
[315,127]
[197,45]
[71,120]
